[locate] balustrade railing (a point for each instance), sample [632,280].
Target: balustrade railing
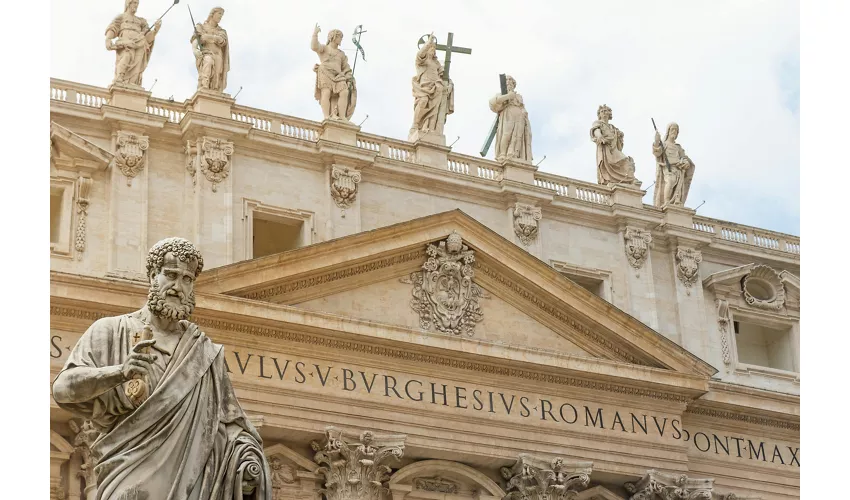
[76,93]
[171,111]
[474,167]
[748,235]
[571,188]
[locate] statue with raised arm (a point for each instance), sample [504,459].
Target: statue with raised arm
[671,186]
[157,389]
[612,166]
[430,92]
[335,90]
[513,134]
[132,40]
[212,52]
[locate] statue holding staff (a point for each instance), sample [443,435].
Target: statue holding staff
[671,184]
[212,52]
[430,91]
[132,40]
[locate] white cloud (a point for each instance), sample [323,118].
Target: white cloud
[719,69]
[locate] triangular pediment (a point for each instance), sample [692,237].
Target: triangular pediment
[331,276]
[70,150]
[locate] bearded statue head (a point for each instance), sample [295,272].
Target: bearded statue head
[173,264]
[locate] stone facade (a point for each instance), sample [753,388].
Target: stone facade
[694,370]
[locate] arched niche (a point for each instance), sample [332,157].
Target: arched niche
[441,479]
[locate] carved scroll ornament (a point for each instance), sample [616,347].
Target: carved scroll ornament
[660,486]
[130,156]
[215,160]
[687,265]
[444,294]
[344,182]
[532,478]
[762,288]
[637,246]
[526,219]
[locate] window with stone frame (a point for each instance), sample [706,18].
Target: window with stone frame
[765,346]
[270,230]
[61,215]
[596,281]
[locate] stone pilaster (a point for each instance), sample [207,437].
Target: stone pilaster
[128,204]
[535,478]
[637,243]
[210,166]
[356,467]
[344,200]
[689,294]
[657,485]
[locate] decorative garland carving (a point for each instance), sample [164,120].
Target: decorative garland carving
[661,486]
[191,151]
[687,266]
[356,469]
[436,484]
[283,476]
[637,246]
[723,320]
[215,160]
[526,219]
[532,478]
[83,189]
[85,437]
[768,281]
[344,182]
[131,154]
[394,353]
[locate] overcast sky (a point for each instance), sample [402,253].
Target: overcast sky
[726,70]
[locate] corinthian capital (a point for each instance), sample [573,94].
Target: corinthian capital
[534,478]
[661,486]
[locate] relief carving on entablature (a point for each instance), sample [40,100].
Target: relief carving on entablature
[535,478]
[444,293]
[657,485]
[427,478]
[293,477]
[84,185]
[130,154]
[356,467]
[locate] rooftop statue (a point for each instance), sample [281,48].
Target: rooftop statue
[132,40]
[157,388]
[335,90]
[513,135]
[212,52]
[430,91]
[674,170]
[612,166]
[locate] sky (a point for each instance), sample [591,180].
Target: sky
[727,71]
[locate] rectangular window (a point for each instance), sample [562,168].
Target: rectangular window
[276,235]
[596,281]
[764,346]
[56,202]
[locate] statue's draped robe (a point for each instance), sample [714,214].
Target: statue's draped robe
[189,440]
[221,57]
[329,73]
[129,29]
[678,178]
[612,166]
[428,92]
[513,133]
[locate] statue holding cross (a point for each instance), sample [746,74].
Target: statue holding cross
[433,90]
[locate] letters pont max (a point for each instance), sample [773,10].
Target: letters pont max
[477,400]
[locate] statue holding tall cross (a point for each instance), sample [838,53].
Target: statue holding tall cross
[513,130]
[433,90]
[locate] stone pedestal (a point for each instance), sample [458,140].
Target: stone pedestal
[432,154]
[519,171]
[676,215]
[132,98]
[629,195]
[212,103]
[340,131]
[430,137]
